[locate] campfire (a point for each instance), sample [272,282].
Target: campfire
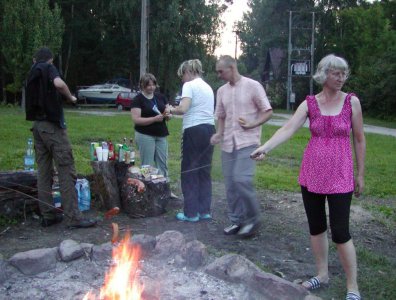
[173,268]
[122,279]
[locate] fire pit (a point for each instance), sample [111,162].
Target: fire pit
[142,267]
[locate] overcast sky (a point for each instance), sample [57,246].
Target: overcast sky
[233,14]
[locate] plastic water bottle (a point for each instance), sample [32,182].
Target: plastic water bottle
[29,156]
[84,194]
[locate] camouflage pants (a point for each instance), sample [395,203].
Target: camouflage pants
[52,145]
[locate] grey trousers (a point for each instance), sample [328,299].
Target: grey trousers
[52,144]
[238,172]
[153,151]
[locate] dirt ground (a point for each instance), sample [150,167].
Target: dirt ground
[281,245]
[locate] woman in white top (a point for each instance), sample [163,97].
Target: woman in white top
[197,108]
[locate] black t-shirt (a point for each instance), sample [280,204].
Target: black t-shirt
[43,100]
[147,111]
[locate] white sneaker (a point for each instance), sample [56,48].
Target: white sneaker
[248,229]
[232,229]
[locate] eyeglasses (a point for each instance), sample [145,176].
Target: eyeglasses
[338,74]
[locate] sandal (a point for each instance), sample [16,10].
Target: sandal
[352,296]
[312,284]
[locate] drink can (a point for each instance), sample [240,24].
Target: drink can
[56,196]
[92,151]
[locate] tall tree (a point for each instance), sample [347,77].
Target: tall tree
[105,39]
[27,25]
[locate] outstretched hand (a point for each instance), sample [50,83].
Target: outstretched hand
[258,154]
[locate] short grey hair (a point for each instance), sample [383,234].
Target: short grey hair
[330,62]
[227,60]
[193,66]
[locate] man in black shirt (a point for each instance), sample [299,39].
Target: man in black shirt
[44,107]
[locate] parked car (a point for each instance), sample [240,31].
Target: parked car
[100,93]
[124,100]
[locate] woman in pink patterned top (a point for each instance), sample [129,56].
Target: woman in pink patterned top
[327,167]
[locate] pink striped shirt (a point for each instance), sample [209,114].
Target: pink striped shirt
[246,99]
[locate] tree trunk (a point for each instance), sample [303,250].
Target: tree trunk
[148,203]
[70,43]
[3,83]
[105,185]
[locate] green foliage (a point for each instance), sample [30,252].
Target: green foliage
[5,221]
[362,32]
[26,26]
[369,43]
[104,38]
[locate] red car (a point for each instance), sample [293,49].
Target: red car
[124,100]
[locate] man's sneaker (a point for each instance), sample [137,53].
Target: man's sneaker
[46,222]
[248,229]
[182,217]
[83,223]
[205,216]
[232,229]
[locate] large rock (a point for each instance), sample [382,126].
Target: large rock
[102,252]
[70,250]
[169,243]
[145,242]
[195,254]
[35,261]
[87,247]
[237,269]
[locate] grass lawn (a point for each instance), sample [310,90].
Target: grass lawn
[278,172]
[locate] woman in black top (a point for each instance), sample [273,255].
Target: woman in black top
[150,128]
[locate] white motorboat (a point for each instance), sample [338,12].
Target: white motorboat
[101,93]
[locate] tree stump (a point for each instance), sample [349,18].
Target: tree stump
[18,193]
[152,202]
[105,184]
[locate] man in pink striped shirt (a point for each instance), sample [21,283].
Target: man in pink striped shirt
[242,107]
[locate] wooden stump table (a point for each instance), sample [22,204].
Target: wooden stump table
[149,203]
[112,187]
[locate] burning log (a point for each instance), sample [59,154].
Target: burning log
[122,280]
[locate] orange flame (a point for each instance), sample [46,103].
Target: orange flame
[121,281]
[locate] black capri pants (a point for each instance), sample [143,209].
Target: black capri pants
[339,209]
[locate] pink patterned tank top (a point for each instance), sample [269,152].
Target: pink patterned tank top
[327,165]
